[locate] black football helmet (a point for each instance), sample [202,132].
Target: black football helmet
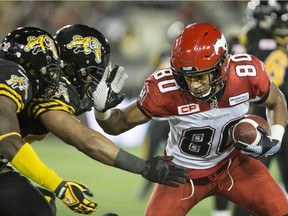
[280,22]
[35,50]
[86,54]
[200,49]
[258,9]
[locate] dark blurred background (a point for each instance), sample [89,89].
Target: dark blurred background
[136,30]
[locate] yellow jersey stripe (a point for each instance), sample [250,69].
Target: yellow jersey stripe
[38,106]
[12,94]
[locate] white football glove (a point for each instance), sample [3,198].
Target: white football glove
[106,94]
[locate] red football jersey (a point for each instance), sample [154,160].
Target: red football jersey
[199,135]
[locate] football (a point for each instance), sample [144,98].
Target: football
[246,129]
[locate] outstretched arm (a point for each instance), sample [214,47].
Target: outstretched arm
[114,121]
[100,148]
[121,120]
[23,158]
[107,96]
[276,107]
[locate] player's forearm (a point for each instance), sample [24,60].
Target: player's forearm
[277,122]
[276,117]
[280,112]
[99,148]
[277,114]
[28,163]
[276,105]
[111,121]
[121,120]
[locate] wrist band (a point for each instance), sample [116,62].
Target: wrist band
[129,162]
[102,115]
[277,132]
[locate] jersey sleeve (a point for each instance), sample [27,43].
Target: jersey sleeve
[260,85]
[15,84]
[248,75]
[157,93]
[145,101]
[38,106]
[65,99]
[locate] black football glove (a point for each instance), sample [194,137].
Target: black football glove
[157,170]
[106,94]
[73,196]
[266,146]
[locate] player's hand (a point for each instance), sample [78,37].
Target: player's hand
[266,146]
[73,196]
[106,94]
[157,170]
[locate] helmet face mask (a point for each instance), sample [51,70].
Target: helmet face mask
[51,75]
[200,49]
[86,55]
[205,87]
[85,80]
[35,50]
[215,82]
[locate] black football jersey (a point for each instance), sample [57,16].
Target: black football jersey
[66,99]
[15,84]
[261,44]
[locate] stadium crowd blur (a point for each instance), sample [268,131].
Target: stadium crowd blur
[136,29]
[138,33]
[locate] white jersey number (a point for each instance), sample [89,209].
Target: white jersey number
[165,85]
[244,70]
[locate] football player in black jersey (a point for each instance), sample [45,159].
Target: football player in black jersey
[86,55]
[30,68]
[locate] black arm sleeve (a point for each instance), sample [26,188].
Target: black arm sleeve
[129,162]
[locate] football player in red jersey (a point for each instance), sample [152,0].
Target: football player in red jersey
[202,95]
